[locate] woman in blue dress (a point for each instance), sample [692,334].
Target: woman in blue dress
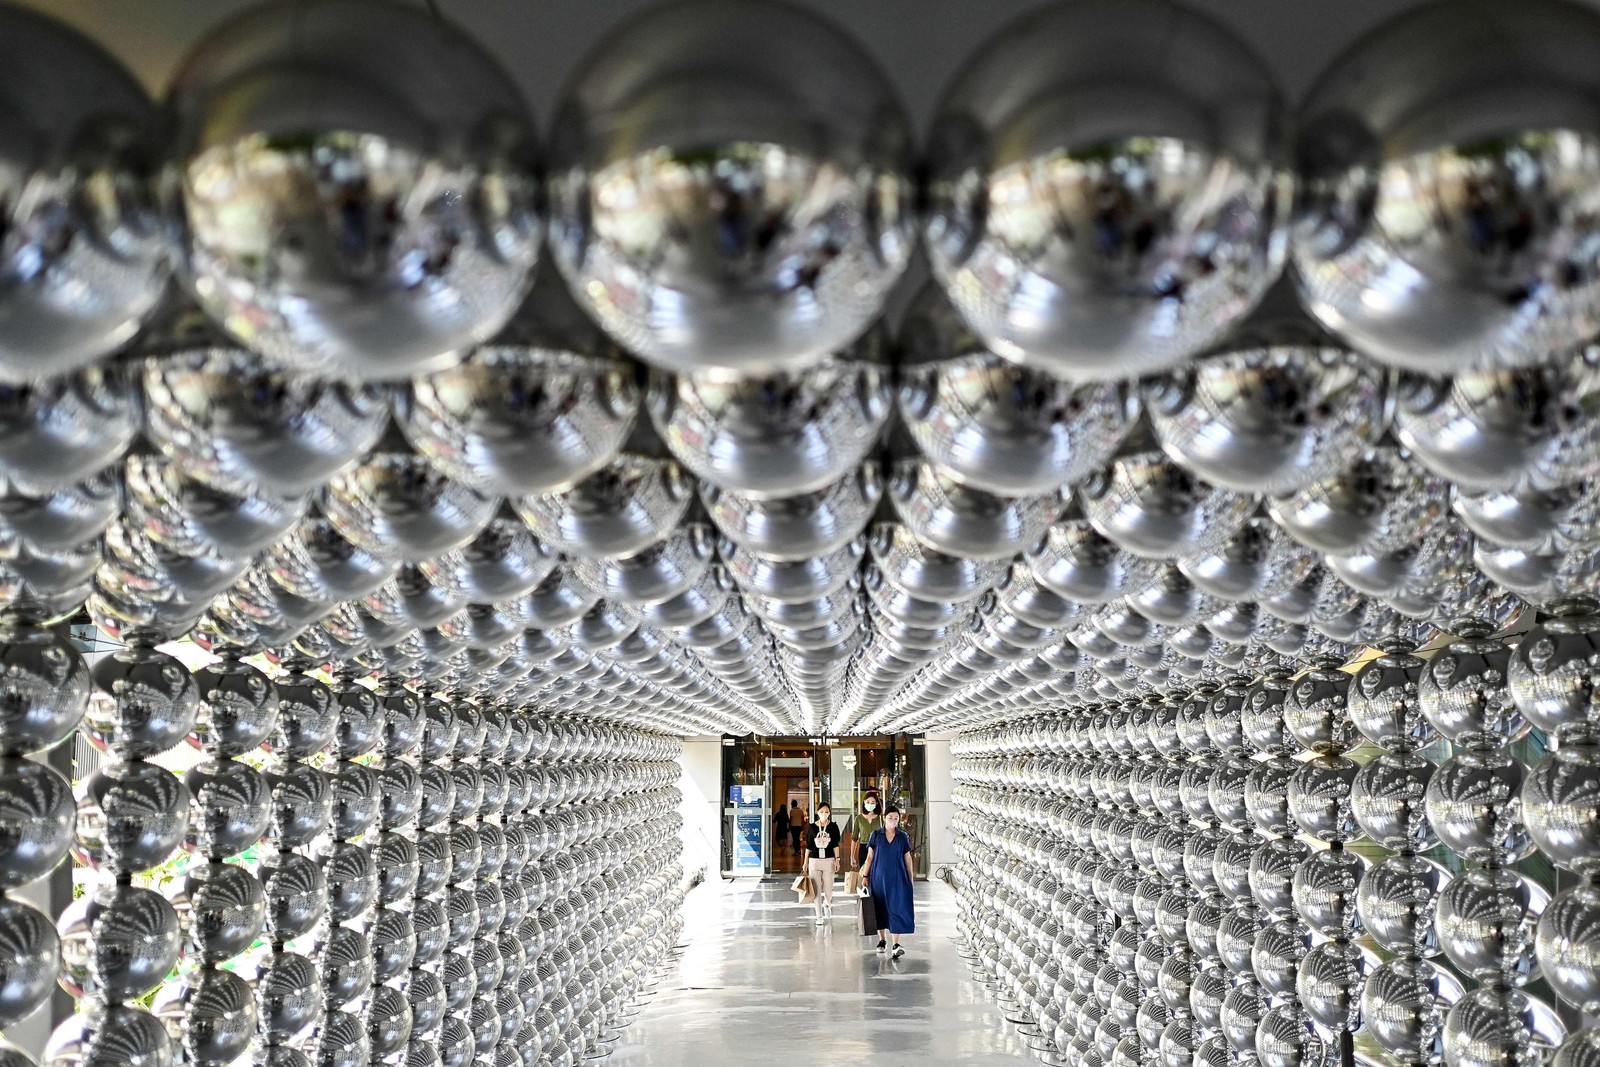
[887,873]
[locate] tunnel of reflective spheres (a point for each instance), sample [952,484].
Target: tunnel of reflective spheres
[391,483]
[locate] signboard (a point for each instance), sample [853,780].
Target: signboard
[749,814]
[748,822]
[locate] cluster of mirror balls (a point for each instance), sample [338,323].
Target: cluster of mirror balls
[1292,862]
[374,876]
[329,363]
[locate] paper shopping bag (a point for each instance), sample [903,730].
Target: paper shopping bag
[852,882]
[867,921]
[805,888]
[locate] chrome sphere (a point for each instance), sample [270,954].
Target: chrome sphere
[1380,505]
[1487,920]
[1554,672]
[396,505]
[543,404]
[754,238]
[1474,804]
[988,422]
[84,261]
[115,1034]
[1506,429]
[781,433]
[424,243]
[629,503]
[1274,410]
[1443,148]
[59,431]
[1493,1026]
[1152,507]
[235,421]
[968,523]
[798,527]
[1397,900]
[1075,177]
[1403,1007]
[1560,805]
[44,688]
[1567,946]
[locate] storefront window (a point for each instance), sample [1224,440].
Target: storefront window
[797,773]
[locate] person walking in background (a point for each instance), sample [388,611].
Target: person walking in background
[780,829]
[822,859]
[888,874]
[797,826]
[862,826]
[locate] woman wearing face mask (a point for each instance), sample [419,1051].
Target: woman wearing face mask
[822,860]
[888,873]
[862,826]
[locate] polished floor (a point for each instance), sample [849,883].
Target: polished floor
[759,984]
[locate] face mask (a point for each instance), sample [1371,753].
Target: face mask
[893,824]
[823,817]
[871,806]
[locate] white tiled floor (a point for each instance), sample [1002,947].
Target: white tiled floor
[759,984]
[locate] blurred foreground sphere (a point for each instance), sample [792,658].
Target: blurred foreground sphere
[355,187]
[1100,208]
[82,261]
[730,186]
[1446,163]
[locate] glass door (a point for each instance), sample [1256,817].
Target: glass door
[791,791]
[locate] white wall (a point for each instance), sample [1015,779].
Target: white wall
[936,762]
[701,780]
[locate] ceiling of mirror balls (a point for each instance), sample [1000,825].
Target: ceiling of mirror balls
[345,366]
[330,361]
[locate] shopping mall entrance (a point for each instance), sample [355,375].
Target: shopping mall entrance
[760,775]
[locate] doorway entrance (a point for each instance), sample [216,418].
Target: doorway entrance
[789,784]
[799,773]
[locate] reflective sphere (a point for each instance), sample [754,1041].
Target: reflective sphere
[1276,409]
[1474,804]
[1403,1007]
[781,433]
[1496,1026]
[1486,922]
[545,403]
[964,522]
[1074,245]
[118,943]
[1567,946]
[112,1035]
[995,425]
[131,816]
[424,243]
[85,262]
[37,820]
[1561,802]
[1330,984]
[1397,899]
[44,689]
[1437,150]
[753,238]
[239,423]
[1150,506]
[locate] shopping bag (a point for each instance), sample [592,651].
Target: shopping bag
[867,921]
[852,882]
[806,888]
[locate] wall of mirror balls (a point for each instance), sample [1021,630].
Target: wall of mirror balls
[1229,489]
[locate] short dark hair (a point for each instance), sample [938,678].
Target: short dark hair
[894,809]
[794,803]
